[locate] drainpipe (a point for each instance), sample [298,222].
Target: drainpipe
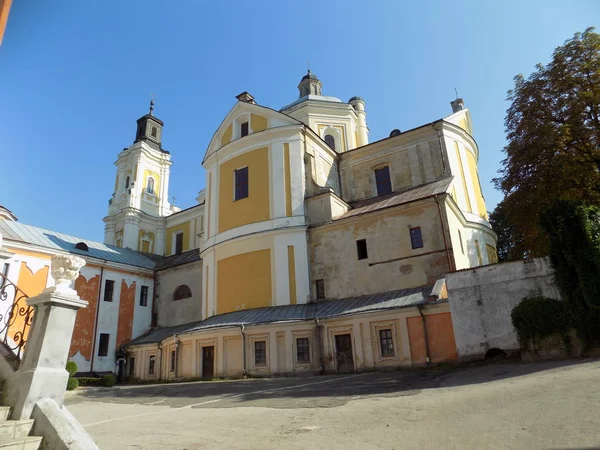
[242,328]
[97,316]
[442,146]
[319,346]
[160,356]
[420,308]
[176,342]
[450,265]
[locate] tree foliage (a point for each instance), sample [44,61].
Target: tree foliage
[574,231]
[536,318]
[510,241]
[553,133]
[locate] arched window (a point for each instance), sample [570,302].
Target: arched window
[127,183]
[82,246]
[182,292]
[330,140]
[150,186]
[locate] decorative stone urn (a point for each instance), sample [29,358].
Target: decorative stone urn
[65,269]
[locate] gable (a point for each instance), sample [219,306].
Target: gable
[255,117]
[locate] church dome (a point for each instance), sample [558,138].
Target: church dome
[310,76]
[355,98]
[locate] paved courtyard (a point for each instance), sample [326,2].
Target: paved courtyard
[549,405]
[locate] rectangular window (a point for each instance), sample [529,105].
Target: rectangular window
[131,366]
[462,247]
[244,129]
[361,249]
[109,287]
[387,342]
[178,243]
[144,296]
[103,346]
[173,360]
[302,351]
[151,364]
[241,183]
[320,288]
[154,131]
[416,240]
[383,180]
[260,353]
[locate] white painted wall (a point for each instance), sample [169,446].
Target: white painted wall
[482,299]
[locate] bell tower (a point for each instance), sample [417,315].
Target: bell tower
[140,198]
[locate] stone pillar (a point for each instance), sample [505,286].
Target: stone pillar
[42,373]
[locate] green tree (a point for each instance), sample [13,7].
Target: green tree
[574,231]
[553,133]
[510,242]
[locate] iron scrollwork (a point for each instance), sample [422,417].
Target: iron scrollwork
[17,318]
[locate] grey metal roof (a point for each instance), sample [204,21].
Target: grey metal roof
[291,313]
[177,260]
[17,231]
[398,198]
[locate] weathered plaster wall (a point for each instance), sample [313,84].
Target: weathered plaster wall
[126,308]
[175,312]
[482,299]
[334,256]
[83,332]
[281,340]
[413,160]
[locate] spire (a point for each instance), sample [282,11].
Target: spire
[149,128]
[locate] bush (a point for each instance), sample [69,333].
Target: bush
[71,368]
[90,381]
[72,384]
[536,318]
[109,380]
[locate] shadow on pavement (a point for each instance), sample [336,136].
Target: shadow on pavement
[397,383]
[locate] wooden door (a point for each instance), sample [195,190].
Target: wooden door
[208,359]
[343,353]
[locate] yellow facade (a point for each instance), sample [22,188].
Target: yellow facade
[492,254]
[244,281]
[156,177]
[146,241]
[462,177]
[32,284]
[292,274]
[255,207]
[476,185]
[181,228]
[258,123]
[226,138]
[288,180]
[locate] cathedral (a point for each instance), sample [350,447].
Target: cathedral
[311,249]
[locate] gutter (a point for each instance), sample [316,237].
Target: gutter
[242,328]
[420,308]
[450,265]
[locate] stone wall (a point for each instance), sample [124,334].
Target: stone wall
[482,299]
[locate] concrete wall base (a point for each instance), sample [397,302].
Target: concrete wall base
[61,431]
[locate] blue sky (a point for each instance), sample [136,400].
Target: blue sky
[75,75]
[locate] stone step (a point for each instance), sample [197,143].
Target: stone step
[15,429]
[4,412]
[28,443]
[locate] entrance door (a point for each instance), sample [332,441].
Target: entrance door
[343,353]
[208,358]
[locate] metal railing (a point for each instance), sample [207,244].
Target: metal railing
[15,315]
